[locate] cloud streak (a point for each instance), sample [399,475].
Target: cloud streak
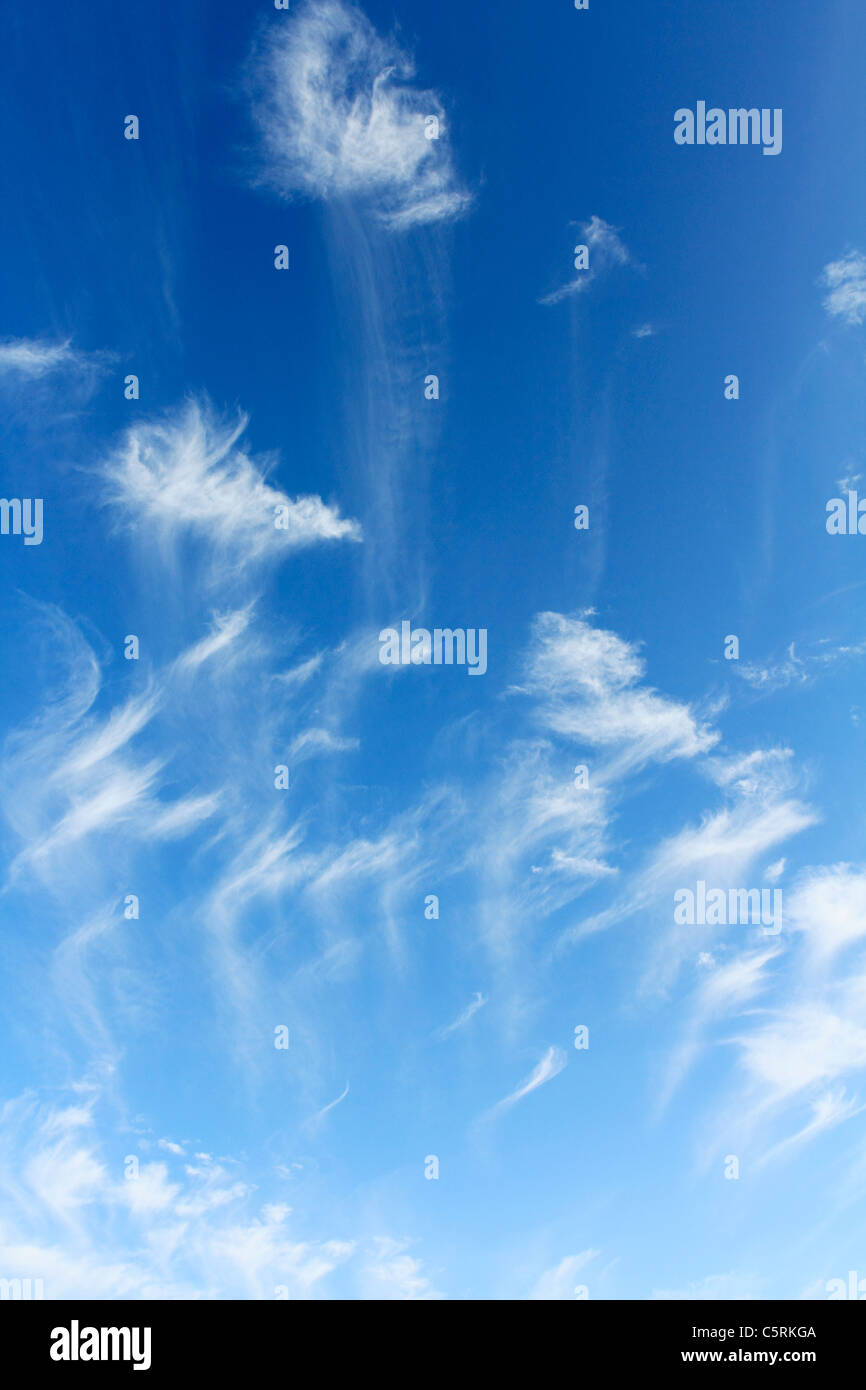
[606,251]
[551,1064]
[33,358]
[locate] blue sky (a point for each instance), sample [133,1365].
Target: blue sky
[155,1141]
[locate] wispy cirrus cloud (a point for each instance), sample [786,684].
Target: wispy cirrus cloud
[312,743]
[186,476]
[798,1054]
[797,668]
[588,684]
[606,250]
[391,1273]
[845,282]
[827,1110]
[312,1125]
[72,776]
[462,1018]
[828,908]
[339,118]
[558,1283]
[759,811]
[226,628]
[37,357]
[543,837]
[165,1228]
[550,1065]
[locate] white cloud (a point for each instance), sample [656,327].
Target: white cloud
[551,1064]
[71,777]
[225,630]
[727,843]
[829,906]
[320,1114]
[544,832]
[182,816]
[68,1218]
[383,870]
[170,1147]
[721,989]
[827,1110]
[185,475]
[150,1191]
[300,674]
[64,1178]
[364,858]
[588,683]
[338,117]
[808,1044]
[313,742]
[463,1017]
[119,728]
[394,1275]
[606,250]
[723,849]
[807,1037]
[735,983]
[118,797]
[845,280]
[575,866]
[559,1283]
[795,669]
[36,357]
